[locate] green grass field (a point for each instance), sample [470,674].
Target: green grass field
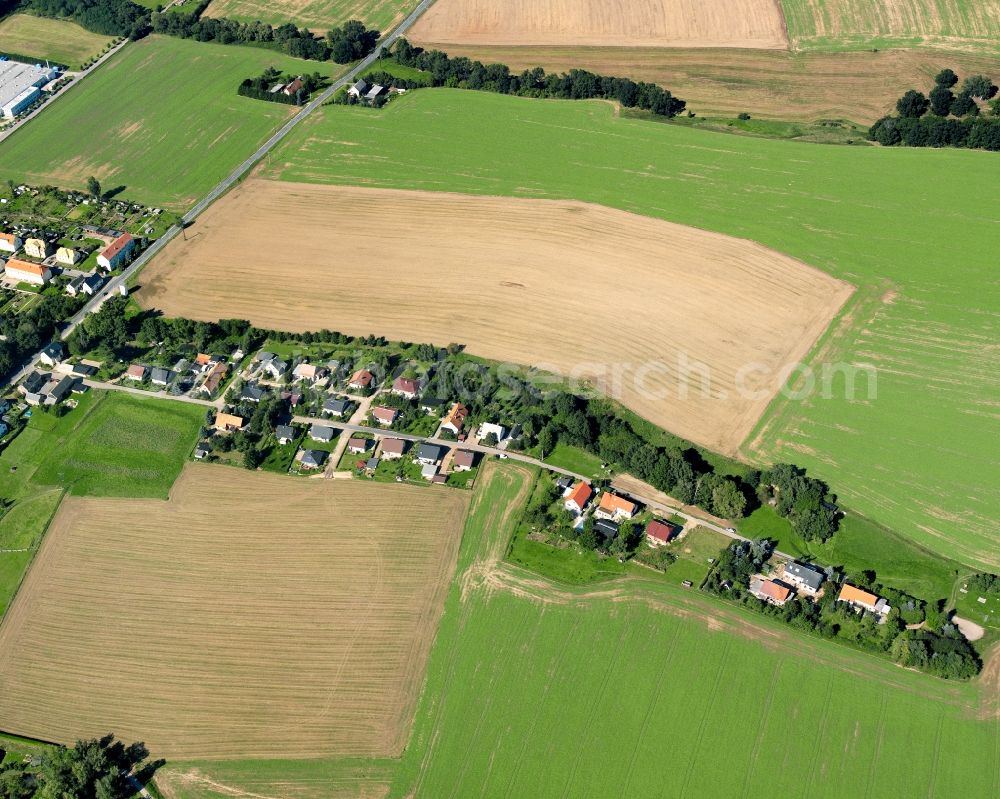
[58,40]
[317,15]
[161,121]
[920,457]
[110,445]
[864,24]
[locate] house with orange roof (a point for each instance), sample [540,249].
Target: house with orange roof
[10,242]
[577,497]
[863,600]
[770,591]
[117,252]
[27,272]
[614,507]
[455,418]
[227,422]
[361,379]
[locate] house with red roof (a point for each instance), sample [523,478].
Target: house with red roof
[659,532]
[576,498]
[117,252]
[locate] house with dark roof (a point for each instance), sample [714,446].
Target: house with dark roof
[336,407]
[52,354]
[276,368]
[371,464]
[202,451]
[285,433]
[431,404]
[607,529]
[312,458]
[84,284]
[359,89]
[430,454]
[806,578]
[83,370]
[161,377]
[322,433]
[251,393]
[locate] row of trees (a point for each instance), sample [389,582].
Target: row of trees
[107,17]
[943,118]
[259,88]
[347,43]
[577,84]
[937,648]
[96,769]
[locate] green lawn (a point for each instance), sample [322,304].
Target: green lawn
[865,25]
[111,444]
[57,40]
[574,564]
[577,460]
[161,122]
[920,457]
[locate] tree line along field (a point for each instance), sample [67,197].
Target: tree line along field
[251,615]
[864,24]
[919,457]
[168,152]
[634,687]
[58,40]
[109,445]
[861,85]
[317,15]
[448,273]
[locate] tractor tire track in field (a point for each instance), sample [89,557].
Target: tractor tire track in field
[819,769]
[762,729]
[879,733]
[935,757]
[703,724]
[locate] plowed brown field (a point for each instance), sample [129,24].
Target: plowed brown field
[632,305]
[250,616]
[659,23]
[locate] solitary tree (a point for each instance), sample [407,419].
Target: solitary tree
[94,187]
[979,86]
[946,77]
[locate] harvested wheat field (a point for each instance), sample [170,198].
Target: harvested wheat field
[631,23]
[615,299]
[249,616]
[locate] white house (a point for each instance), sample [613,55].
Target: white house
[67,256]
[27,272]
[487,428]
[117,252]
[10,242]
[578,497]
[37,248]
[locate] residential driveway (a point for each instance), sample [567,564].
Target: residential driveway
[364,405]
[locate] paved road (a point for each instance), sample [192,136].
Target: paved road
[237,174]
[142,392]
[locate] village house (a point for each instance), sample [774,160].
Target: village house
[359,89]
[162,377]
[429,471]
[52,354]
[202,360]
[394,448]
[361,380]
[84,284]
[578,497]
[68,256]
[463,461]
[308,371]
[607,529]
[614,507]
[201,452]
[216,374]
[10,242]
[312,459]
[336,407]
[37,248]
[487,429]
[275,368]
[137,372]
[322,434]
[285,433]
[371,465]
[455,418]
[27,272]
[431,404]
[358,446]
[384,416]
[659,532]
[863,600]
[805,578]
[430,454]
[83,370]
[407,387]
[227,422]
[117,252]
[770,591]
[251,393]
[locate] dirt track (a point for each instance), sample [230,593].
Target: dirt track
[630,304]
[659,23]
[250,616]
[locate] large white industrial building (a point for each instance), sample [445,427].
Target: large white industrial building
[20,85]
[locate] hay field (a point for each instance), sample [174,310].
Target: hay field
[577,289]
[317,15]
[252,615]
[651,23]
[55,39]
[852,24]
[860,86]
